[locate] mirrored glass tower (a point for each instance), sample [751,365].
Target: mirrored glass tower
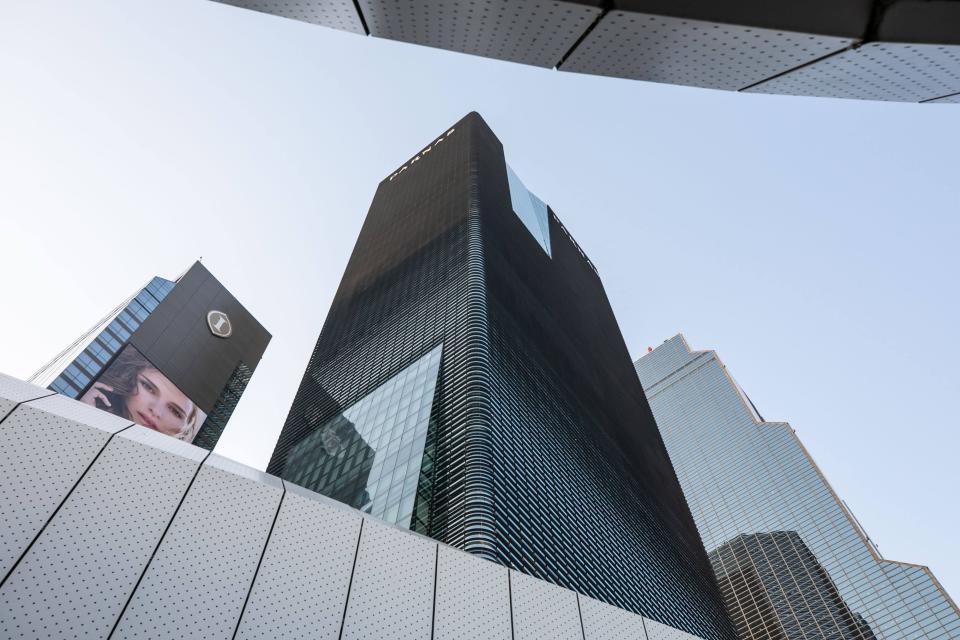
[790,558]
[471,383]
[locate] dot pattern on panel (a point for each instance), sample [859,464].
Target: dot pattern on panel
[473,598]
[301,588]
[602,621]
[336,14]
[13,392]
[542,611]
[392,591]
[197,582]
[70,409]
[876,71]
[658,631]
[536,33]
[954,99]
[41,456]
[79,574]
[693,52]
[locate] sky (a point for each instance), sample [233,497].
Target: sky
[812,242]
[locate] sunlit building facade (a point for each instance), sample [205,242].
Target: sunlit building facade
[790,558]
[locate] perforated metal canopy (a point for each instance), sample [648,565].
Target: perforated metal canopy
[896,50]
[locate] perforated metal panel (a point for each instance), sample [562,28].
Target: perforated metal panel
[301,588]
[76,578]
[542,611]
[42,456]
[197,582]
[337,14]
[473,598]
[13,392]
[392,591]
[658,631]
[641,46]
[954,99]
[876,71]
[537,33]
[80,413]
[602,621]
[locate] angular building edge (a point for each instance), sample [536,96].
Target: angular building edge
[56,509]
[652,388]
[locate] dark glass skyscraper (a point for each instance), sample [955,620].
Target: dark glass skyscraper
[471,382]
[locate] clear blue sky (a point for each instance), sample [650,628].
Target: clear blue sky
[813,243]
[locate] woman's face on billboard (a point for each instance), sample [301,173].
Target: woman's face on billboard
[158,404]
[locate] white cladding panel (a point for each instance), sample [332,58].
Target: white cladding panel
[392,591]
[602,621]
[13,392]
[42,456]
[114,534]
[337,14]
[696,53]
[76,578]
[301,588]
[543,611]
[473,598]
[197,583]
[537,33]
[876,71]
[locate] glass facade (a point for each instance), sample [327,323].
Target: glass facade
[540,452]
[530,209]
[90,362]
[370,455]
[789,557]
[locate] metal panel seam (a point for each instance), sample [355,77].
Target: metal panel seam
[263,552]
[62,502]
[153,554]
[346,602]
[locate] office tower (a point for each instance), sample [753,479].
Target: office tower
[472,350]
[790,558]
[176,357]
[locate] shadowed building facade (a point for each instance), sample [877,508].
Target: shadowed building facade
[472,349]
[790,558]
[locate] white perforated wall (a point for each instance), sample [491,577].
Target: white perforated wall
[543,611]
[473,598]
[198,581]
[641,46]
[876,71]
[392,591]
[537,33]
[337,14]
[42,456]
[13,392]
[602,621]
[301,588]
[79,574]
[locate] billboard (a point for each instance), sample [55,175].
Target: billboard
[134,389]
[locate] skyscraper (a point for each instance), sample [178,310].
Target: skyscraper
[790,558]
[176,357]
[471,372]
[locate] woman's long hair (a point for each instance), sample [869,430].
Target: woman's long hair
[122,375]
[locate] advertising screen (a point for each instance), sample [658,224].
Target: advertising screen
[134,389]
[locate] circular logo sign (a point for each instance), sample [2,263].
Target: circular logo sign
[219,324]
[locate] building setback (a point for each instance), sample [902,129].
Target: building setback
[790,558]
[471,383]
